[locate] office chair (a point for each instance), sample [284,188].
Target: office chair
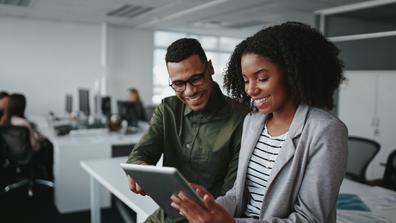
[389,179]
[17,153]
[361,153]
[149,111]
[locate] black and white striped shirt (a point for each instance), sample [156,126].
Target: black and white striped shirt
[259,169]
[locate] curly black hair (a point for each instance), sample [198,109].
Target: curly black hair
[313,70]
[183,48]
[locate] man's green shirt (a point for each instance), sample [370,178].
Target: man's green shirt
[203,146]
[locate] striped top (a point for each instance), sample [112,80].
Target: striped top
[259,169]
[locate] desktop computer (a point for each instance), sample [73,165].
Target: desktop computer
[83,99]
[128,111]
[69,104]
[106,106]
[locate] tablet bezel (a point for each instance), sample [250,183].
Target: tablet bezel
[149,177]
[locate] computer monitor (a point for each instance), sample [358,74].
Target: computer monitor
[69,104]
[128,111]
[106,106]
[83,98]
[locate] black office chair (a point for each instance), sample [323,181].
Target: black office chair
[149,111]
[389,179]
[17,154]
[361,153]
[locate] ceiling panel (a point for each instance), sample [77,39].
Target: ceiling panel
[198,16]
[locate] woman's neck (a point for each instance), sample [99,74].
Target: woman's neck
[279,122]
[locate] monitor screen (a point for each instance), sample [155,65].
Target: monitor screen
[106,106]
[83,97]
[69,103]
[128,111]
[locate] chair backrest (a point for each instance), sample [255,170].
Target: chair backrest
[15,144]
[361,153]
[149,111]
[389,179]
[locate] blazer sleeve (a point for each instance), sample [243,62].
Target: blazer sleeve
[228,201]
[316,199]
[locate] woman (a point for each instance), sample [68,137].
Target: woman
[42,147]
[133,96]
[15,115]
[293,152]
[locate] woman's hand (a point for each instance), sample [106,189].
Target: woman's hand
[195,213]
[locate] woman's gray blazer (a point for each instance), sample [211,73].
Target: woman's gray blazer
[307,174]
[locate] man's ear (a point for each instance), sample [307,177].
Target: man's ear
[210,67]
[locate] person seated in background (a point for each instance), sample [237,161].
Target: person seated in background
[294,152]
[4,97]
[42,148]
[133,96]
[198,130]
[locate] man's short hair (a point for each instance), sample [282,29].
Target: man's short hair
[3,94]
[183,48]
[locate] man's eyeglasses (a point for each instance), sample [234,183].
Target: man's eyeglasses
[194,80]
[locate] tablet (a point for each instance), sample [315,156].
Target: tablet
[160,183]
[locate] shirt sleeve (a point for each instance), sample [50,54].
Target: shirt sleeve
[150,147]
[229,179]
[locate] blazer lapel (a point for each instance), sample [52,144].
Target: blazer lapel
[288,148]
[255,125]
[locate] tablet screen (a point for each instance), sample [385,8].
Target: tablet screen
[160,183]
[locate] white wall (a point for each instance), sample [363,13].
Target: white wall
[129,63]
[366,105]
[46,59]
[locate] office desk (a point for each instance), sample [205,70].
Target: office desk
[71,190]
[375,198]
[108,173]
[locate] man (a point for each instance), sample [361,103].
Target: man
[198,131]
[4,98]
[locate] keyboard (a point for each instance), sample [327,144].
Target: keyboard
[88,132]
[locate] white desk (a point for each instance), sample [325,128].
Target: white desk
[108,173]
[375,198]
[71,190]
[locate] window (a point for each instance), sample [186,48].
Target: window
[218,49]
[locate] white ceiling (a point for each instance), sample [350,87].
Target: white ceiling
[222,17]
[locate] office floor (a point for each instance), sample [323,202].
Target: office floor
[17,207]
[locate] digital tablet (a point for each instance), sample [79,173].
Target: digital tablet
[160,183]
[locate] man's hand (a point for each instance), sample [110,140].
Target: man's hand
[210,213]
[134,187]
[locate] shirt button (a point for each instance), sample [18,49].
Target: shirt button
[188,145]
